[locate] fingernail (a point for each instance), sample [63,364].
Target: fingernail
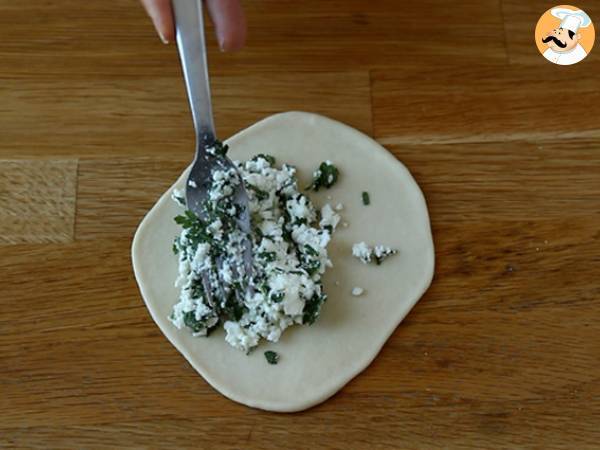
[162,38]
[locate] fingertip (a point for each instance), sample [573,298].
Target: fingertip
[167,34]
[162,16]
[230,23]
[164,38]
[232,41]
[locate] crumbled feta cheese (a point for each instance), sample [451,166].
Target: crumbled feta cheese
[300,208]
[178,196]
[357,291]
[192,183]
[201,260]
[289,252]
[240,337]
[329,218]
[381,252]
[362,252]
[339,207]
[367,254]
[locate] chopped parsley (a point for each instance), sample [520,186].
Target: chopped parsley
[325,176]
[278,297]
[313,308]
[268,256]
[189,318]
[260,194]
[187,220]
[218,149]
[310,251]
[270,159]
[365,198]
[271,357]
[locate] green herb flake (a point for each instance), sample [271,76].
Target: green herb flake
[179,200]
[220,149]
[189,318]
[271,357]
[270,159]
[312,267]
[310,251]
[312,308]
[278,297]
[325,176]
[268,256]
[260,194]
[366,199]
[187,220]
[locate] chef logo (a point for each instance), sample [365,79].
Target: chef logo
[564,35]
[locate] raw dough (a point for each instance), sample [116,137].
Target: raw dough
[318,360]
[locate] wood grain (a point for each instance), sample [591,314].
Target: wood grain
[517,180]
[102,116]
[501,352]
[97,37]
[446,104]
[110,204]
[37,201]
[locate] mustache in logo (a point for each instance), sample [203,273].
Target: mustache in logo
[555,40]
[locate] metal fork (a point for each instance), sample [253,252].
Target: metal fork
[189,25]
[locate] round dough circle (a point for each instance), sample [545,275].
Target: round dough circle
[318,360]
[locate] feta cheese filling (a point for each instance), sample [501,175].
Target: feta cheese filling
[375,254]
[289,239]
[357,291]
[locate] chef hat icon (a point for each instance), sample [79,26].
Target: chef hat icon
[571,19]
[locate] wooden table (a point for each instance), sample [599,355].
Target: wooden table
[502,352]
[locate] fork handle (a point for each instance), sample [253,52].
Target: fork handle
[189,26]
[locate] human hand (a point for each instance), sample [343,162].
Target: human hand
[227,15]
